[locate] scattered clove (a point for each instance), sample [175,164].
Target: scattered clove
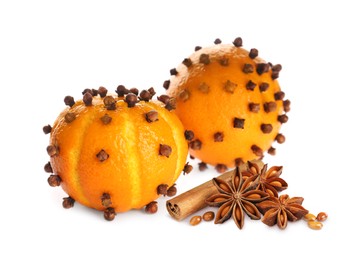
[162,189]
[151,207]
[172,191]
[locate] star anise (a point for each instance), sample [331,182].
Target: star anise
[235,198]
[267,180]
[281,210]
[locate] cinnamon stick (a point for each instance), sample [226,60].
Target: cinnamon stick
[193,200]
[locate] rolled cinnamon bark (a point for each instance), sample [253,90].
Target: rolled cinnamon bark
[193,200]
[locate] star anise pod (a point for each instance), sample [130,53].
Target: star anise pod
[235,199]
[267,180]
[281,210]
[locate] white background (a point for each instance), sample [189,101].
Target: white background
[50,49]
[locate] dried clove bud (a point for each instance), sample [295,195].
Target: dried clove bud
[270,106]
[52,150]
[102,91]
[135,91]
[69,117]
[187,62]
[87,90]
[286,105]
[105,200]
[69,101]
[217,41]
[230,86]
[110,103]
[109,214]
[279,95]
[224,61]
[184,95]
[121,91]
[106,119]
[172,191]
[173,72]
[54,180]
[170,104]
[280,138]
[151,116]
[218,137]
[248,68]
[283,118]
[166,84]
[257,150]
[165,150]
[263,87]
[250,85]
[187,168]
[238,42]
[144,95]
[131,99]
[162,189]
[195,144]
[277,68]
[254,107]
[272,150]
[87,99]
[151,207]
[262,68]
[163,98]
[102,155]
[202,166]
[275,75]
[48,167]
[47,129]
[197,48]
[266,128]
[189,135]
[239,123]
[204,59]
[239,162]
[151,91]
[68,202]
[221,168]
[204,88]
[253,53]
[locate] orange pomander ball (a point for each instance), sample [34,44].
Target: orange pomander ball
[113,153]
[231,101]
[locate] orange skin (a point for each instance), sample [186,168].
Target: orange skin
[208,111]
[134,168]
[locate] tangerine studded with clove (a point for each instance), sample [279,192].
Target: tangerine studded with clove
[114,151]
[231,99]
